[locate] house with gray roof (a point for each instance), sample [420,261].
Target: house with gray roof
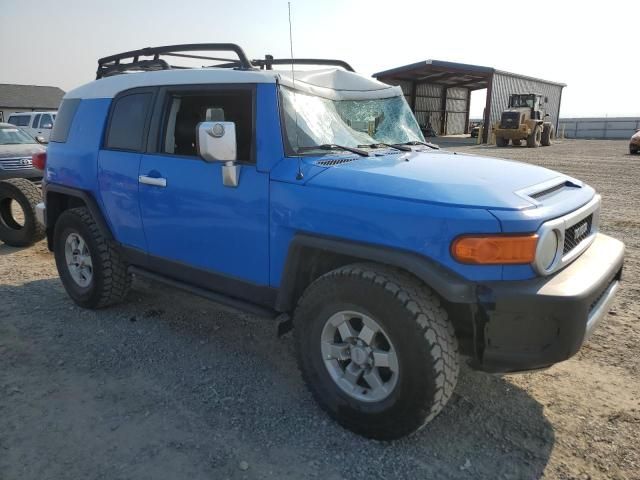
[25,98]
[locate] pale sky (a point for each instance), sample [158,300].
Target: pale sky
[592,47]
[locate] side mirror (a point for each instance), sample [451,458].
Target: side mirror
[216,142]
[40,139]
[47,126]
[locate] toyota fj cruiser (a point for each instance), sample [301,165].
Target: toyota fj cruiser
[313,194]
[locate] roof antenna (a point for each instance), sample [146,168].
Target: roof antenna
[299,174]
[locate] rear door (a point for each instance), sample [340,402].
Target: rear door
[119,163]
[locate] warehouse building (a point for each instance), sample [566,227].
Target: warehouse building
[439,93]
[24,98]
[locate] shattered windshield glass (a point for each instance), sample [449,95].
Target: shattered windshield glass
[321,121]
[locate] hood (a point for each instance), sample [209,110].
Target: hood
[23,150]
[450,179]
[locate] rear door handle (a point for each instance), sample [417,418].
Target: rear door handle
[155,181]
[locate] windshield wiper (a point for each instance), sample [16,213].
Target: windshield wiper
[333,146]
[426,144]
[397,146]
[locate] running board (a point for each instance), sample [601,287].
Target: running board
[234,303]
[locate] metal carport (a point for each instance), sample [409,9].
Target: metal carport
[439,92]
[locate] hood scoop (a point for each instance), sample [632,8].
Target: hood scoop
[547,191]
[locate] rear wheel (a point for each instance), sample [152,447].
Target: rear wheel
[548,134]
[534,139]
[19,226]
[92,271]
[633,149]
[501,141]
[376,349]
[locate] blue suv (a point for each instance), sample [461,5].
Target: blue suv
[312,197]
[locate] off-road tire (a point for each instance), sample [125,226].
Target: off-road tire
[110,281]
[633,149]
[547,135]
[501,141]
[534,139]
[27,195]
[516,142]
[419,329]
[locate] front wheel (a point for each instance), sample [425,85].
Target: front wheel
[376,349]
[548,134]
[535,137]
[502,142]
[91,269]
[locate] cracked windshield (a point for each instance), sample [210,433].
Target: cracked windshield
[351,123]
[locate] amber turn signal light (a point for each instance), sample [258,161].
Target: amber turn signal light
[495,249]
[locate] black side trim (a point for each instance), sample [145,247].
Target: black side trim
[219,285]
[201,292]
[53,209]
[447,283]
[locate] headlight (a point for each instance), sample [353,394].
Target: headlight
[547,250]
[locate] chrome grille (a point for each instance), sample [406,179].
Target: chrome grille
[21,163]
[576,233]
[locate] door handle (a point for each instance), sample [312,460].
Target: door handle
[155,181]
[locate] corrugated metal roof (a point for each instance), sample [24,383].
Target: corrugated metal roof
[434,63]
[420,71]
[29,96]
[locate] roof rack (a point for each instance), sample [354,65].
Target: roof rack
[269,61]
[112,65]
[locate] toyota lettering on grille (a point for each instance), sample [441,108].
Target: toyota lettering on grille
[580,230]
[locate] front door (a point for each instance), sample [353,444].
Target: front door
[197,229]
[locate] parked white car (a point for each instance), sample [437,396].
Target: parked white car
[36,124]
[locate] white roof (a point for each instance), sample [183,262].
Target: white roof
[332,83]
[336,84]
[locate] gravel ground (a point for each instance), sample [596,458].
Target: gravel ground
[170,386]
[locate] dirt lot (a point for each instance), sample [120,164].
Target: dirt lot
[171,386]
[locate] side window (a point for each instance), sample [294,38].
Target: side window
[46,121]
[63,122]
[127,122]
[185,110]
[36,121]
[20,120]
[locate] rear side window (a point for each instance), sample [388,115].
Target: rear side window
[64,119]
[20,120]
[127,123]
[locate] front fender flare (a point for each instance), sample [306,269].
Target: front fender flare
[451,286]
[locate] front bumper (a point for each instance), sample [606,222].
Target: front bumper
[512,133]
[532,324]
